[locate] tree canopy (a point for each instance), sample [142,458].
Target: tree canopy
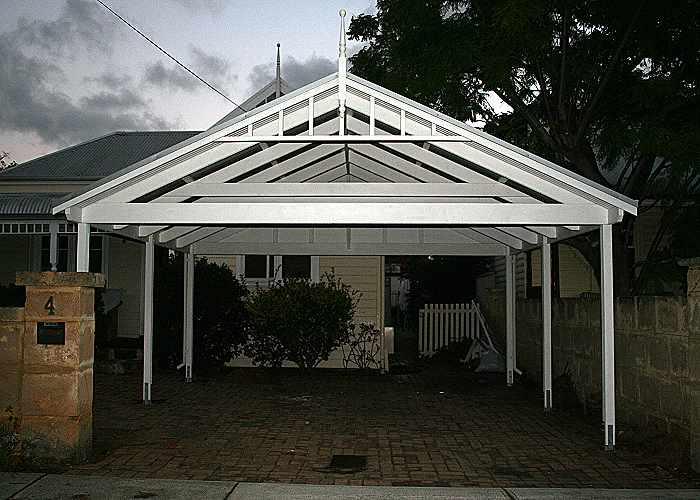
[606,89]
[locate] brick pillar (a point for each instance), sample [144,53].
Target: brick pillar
[58,352]
[694,360]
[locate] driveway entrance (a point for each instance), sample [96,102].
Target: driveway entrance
[437,428]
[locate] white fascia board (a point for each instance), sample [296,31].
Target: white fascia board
[337,213]
[548,169]
[366,249]
[141,168]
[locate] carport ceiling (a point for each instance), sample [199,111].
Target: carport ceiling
[343,166]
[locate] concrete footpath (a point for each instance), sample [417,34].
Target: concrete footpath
[58,487]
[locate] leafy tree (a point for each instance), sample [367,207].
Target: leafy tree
[607,89]
[298,320]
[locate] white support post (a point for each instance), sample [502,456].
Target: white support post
[607,323]
[53,246]
[187,321]
[82,250]
[510,318]
[547,324]
[149,269]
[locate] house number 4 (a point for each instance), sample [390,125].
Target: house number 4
[50,307]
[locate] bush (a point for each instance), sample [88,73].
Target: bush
[219,313]
[299,321]
[363,348]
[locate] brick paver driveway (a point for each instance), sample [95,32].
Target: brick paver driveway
[440,429]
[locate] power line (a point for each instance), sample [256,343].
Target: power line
[171,57]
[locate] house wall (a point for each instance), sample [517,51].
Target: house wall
[15,255]
[126,273]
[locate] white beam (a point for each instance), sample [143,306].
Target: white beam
[398,163]
[313,213]
[500,236]
[196,235]
[607,322]
[547,324]
[149,269]
[316,169]
[342,139]
[301,160]
[510,319]
[188,313]
[205,247]
[370,190]
[82,249]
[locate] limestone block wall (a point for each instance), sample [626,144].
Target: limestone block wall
[657,355]
[11,340]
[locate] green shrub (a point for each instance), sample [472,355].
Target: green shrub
[219,313]
[299,321]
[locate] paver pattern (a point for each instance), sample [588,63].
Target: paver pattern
[442,428]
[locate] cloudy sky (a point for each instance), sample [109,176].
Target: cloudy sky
[70,71]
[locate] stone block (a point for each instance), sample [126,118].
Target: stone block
[44,279]
[694,317]
[671,400]
[649,392]
[87,341]
[646,313]
[50,394]
[85,392]
[694,359]
[60,437]
[658,351]
[629,382]
[678,350]
[67,304]
[65,356]
[694,400]
[11,336]
[10,385]
[669,315]
[626,314]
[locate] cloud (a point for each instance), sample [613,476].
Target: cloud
[213,6]
[213,69]
[216,70]
[120,100]
[296,73]
[30,101]
[80,22]
[110,80]
[173,77]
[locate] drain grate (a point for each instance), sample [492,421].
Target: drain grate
[348,464]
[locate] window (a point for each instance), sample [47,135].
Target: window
[62,264]
[260,268]
[96,252]
[296,266]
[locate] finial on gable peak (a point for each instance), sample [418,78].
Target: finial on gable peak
[278,74]
[342,56]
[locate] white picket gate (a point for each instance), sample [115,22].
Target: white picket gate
[440,324]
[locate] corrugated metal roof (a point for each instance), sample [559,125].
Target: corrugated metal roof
[28,204]
[96,158]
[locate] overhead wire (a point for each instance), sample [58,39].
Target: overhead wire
[176,61]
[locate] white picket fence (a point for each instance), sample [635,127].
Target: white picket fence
[440,324]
